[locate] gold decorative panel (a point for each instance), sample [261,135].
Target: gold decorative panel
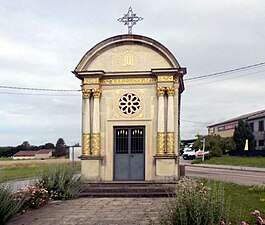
[86,144]
[128,81]
[91,81]
[141,115]
[96,144]
[165,78]
[160,143]
[117,116]
[170,143]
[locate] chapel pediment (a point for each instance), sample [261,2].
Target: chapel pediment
[126,53]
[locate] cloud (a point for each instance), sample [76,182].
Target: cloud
[42,43]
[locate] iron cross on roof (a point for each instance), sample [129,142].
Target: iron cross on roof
[130,19]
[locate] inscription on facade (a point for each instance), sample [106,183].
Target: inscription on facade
[128,60]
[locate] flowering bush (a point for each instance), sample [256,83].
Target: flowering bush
[34,196]
[196,204]
[60,182]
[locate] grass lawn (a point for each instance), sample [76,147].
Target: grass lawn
[13,173]
[243,201]
[235,161]
[19,169]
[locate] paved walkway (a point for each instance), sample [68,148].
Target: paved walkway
[97,211]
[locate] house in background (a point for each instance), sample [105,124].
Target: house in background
[255,120]
[41,154]
[25,155]
[44,154]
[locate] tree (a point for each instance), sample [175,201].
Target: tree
[215,144]
[25,145]
[60,148]
[241,134]
[48,146]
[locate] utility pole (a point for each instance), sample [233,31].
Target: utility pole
[203,148]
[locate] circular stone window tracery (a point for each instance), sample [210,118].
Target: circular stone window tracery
[129,104]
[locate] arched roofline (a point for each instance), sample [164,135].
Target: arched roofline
[126,39]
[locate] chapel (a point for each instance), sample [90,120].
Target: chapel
[131,97]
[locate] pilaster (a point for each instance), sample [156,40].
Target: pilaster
[161,121]
[86,122]
[170,120]
[96,123]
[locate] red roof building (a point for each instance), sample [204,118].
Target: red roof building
[44,154]
[41,154]
[25,155]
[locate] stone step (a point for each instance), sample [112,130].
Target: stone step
[129,183]
[126,189]
[127,195]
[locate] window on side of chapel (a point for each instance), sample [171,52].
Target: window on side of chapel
[261,125]
[251,126]
[261,143]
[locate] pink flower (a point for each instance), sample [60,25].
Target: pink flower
[256,213]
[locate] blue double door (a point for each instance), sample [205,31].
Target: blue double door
[129,153]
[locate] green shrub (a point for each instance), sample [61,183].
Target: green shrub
[196,204]
[216,152]
[9,204]
[60,181]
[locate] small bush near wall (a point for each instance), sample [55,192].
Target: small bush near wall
[60,181]
[196,204]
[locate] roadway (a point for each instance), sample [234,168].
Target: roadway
[240,175]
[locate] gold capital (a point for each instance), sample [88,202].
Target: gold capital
[160,143]
[96,92]
[96,144]
[170,91]
[86,93]
[161,91]
[86,144]
[170,143]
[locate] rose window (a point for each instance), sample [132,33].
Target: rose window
[129,103]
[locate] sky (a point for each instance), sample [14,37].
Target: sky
[42,41]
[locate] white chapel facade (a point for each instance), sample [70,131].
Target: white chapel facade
[131,88]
